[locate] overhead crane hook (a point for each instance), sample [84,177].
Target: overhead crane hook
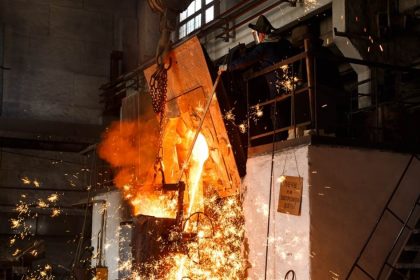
[168,11]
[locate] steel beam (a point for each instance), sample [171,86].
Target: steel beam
[47,135]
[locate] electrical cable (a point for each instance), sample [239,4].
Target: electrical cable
[271,186]
[81,239]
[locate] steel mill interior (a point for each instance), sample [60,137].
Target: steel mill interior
[210,139]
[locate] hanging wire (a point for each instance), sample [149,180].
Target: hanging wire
[271,187]
[296,163]
[284,165]
[291,273]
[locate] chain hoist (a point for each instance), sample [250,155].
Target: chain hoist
[158,85]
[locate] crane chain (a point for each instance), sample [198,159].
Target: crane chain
[158,89]
[158,85]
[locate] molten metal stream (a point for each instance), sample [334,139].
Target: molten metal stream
[200,154]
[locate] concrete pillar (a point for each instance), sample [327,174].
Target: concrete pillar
[112,202]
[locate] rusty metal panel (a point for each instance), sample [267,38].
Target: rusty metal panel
[189,87]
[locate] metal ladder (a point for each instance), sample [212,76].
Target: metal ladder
[395,270]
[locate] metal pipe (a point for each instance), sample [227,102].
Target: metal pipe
[293,102]
[41,189]
[101,236]
[247,113]
[315,97]
[2,67]
[277,65]
[309,73]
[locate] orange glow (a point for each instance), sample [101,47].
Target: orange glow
[131,154]
[121,147]
[156,205]
[216,253]
[213,256]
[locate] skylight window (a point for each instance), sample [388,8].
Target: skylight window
[198,13]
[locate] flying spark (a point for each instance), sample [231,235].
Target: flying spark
[229,116]
[55,212]
[15,223]
[42,204]
[26,180]
[16,252]
[22,208]
[53,198]
[36,183]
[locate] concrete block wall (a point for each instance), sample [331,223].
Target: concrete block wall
[58,52]
[64,174]
[59,55]
[51,169]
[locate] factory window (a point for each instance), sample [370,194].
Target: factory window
[198,13]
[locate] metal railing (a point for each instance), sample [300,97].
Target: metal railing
[371,128]
[289,87]
[113,92]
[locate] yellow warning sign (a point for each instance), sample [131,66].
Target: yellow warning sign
[290,199]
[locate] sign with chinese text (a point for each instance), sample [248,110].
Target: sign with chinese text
[290,198]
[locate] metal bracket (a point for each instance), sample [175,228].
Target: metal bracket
[355,35]
[225,35]
[294,2]
[174,187]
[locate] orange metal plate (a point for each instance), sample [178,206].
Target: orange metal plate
[189,87]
